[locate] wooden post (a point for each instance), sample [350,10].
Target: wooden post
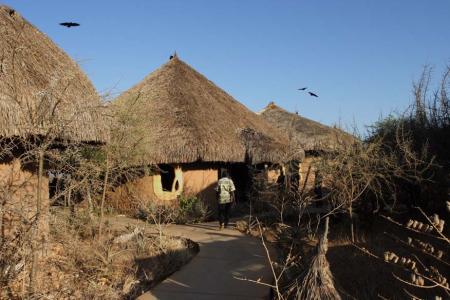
[36,225]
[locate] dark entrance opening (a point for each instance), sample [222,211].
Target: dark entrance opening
[294,175]
[240,175]
[167,177]
[56,187]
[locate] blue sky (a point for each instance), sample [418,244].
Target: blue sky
[359,56]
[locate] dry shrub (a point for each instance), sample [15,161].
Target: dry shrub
[82,265]
[13,256]
[400,172]
[426,124]
[191,209]
[185,209]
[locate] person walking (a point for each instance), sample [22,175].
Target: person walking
[225,197]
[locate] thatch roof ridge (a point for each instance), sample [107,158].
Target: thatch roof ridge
[308,134]
[184,117]
[42,90]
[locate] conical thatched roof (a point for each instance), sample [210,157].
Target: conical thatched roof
[183,117]
[42,90]
[308,134]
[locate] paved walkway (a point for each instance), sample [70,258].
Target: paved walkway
[223,255]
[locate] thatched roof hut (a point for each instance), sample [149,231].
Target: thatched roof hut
[186,118]
[42,90]
[308,134]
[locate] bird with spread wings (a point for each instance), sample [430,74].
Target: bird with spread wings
[69,24]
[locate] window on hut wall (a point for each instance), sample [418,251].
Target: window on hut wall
[168,183]
[275,173]
[167,177]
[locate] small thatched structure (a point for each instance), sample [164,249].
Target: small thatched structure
[44,96]
[184,120]
[310,135]
[314,137]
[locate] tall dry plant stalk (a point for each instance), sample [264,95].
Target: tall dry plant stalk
[35,230]
[318,284]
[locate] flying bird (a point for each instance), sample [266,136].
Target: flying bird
[312,94]
[302,89]
[69,24]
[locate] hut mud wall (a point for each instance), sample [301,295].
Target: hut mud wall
[273,175]
[200,182]
[18,200]
[307,163]
[130,196]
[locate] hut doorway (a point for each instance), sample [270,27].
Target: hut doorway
[240,174]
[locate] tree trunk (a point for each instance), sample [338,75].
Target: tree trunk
[352,231]
[105,186]
[35,233]
[89,199]
[69,200]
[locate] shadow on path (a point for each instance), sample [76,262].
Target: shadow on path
[224,256]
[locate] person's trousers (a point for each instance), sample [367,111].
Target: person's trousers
[224,213]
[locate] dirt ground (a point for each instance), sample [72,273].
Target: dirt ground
[361,272]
